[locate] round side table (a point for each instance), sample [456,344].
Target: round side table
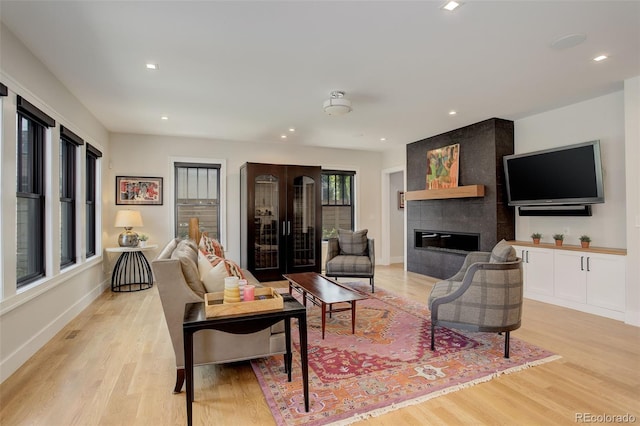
[132,271]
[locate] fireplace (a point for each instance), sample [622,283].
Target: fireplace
[452,242]
[441,231]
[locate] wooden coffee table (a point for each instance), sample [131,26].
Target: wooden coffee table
[322,291]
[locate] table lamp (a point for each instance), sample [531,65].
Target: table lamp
[127,219]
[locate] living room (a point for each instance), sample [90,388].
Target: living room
[32,317]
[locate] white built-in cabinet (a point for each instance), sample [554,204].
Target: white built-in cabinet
[537,266]
[589,280]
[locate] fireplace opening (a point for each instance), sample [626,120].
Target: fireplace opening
[455,242]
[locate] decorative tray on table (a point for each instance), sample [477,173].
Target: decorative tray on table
[266,299]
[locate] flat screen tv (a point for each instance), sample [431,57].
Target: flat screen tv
[569,175]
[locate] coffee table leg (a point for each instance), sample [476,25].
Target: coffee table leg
[324,317]
[353,317]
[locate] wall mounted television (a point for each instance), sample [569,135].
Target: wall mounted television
[566,176]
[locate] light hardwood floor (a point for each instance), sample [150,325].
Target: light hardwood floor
[114,365]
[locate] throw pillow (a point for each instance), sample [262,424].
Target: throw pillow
[503,252]
[353,243]
[220,268]
[211,246]
[186,252]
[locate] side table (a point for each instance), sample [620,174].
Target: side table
[132,271]
[195,319]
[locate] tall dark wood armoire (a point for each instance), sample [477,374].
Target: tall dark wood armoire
[281,219]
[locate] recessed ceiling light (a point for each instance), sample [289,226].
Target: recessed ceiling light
[164,117]
[452,112]
[291,129]
[151,66]
[451,5]
[283,136]
[383,139]
[600,58]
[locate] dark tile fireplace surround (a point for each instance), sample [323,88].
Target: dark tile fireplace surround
[440,232]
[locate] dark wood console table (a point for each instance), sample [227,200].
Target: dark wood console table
[195,320]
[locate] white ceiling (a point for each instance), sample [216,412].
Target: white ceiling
[248,71]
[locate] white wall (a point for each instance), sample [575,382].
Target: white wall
[396,218]
[632,145]
[600,118]
[31,317]
[153,156]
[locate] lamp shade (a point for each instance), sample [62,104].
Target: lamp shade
[128,219]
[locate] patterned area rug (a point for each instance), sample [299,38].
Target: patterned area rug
[386,365]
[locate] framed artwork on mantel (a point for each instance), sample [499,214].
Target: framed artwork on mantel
[133,190]
[443,166]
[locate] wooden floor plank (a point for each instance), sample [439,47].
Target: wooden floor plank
[114,365]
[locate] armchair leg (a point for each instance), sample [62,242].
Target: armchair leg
[372,285]
[179,380]
[506,344]
[433,336]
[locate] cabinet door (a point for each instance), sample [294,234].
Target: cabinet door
[537,270]
[571,276]
[304,221]
[265,214]
[606,281]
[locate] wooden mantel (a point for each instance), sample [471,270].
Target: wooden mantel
[467,191]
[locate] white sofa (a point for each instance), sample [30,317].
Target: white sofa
[175,271]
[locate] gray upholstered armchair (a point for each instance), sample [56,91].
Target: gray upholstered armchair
[485,295]
[352,254]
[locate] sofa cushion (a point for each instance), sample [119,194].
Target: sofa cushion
[214,269]
[503,252]
[187,253]
[168,249]
[353,243]
[211,246]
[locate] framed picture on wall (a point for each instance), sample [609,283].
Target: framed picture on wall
[132,190]
[400,199]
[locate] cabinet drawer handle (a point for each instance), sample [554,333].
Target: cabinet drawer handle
[588,266]
[582,263]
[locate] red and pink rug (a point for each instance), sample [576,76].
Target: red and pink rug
[386,365]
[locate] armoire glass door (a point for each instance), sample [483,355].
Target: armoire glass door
[266,214]
[304,230]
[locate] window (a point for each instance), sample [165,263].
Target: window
[30,192]
[197,194]
[69,142]
[90,207]
[337,202]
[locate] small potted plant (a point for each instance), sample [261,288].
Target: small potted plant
[536,237]
[559,238]
[584,241]
[143,240]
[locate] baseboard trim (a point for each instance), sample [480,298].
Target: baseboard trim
[17,358]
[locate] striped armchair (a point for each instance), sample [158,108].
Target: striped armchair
[352,254]
[485,295]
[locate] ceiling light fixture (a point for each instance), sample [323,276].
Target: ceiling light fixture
[283,136]
[452,112]
[383,139]
[291,129]
[337,104]
[568,41]
[164,117]
[151,66]
[600,58]
[451,5]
